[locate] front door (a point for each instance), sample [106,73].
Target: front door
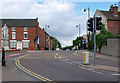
[19,45]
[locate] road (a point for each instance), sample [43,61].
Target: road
[49,65]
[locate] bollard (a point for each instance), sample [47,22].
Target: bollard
[85,57]
[3,57]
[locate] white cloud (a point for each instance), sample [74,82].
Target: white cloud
[61,17]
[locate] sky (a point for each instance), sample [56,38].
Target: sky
[61,15]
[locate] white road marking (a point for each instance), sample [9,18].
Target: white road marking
[116,74]
[88,69]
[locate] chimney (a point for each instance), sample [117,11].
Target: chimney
[37,22]
[43,29]
[115,10]
[111,8]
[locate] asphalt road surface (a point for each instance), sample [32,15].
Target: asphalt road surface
[55,68]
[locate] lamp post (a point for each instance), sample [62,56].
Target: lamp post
[46,26]
[86,23]
[79,33]
[88,12]
[79,28]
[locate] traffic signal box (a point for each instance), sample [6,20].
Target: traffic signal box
[98,23]
[90,24]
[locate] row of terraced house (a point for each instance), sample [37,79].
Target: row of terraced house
[24,34]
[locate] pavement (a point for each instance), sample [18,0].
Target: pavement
[100,56]
[0,68]
[103,57]
[10,72]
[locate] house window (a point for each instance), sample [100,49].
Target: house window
[2,42]
[13,35]
[12,44]
[25,29]
[25,44]
[13,28]
[25,35]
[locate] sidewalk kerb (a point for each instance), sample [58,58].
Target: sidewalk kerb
[102,67]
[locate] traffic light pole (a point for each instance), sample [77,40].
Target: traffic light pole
[94,41]
[96,24]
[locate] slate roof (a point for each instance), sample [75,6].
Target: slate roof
[110,15]
[19,22]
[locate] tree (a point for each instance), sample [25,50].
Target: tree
[91,42]
[55,43]
[76,41]
[101,38]
[103,30]
[100,41]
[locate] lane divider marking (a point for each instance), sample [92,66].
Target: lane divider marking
[30,72]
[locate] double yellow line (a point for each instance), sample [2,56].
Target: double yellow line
[30,72]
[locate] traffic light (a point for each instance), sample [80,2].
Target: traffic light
[90,24]
[98,23]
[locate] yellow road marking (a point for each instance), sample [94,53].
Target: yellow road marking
[30,72]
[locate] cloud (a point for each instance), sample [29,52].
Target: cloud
[61,17]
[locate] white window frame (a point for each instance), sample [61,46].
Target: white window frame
[13,28]
[13,44]
[25,44]
[13,35]
[2,42]
[24,35]
[25,29]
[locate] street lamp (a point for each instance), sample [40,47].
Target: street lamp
[79,33]
[86,23]
[88,12]
[46,26]
[79,28]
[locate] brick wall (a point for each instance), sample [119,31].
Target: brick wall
[112,26]
[41,35]
[50,44]
[0,38]
[48,40]
[20,36]
[112,47]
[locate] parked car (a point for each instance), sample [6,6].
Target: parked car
[57,49]
[67,49]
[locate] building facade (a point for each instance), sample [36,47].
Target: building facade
[0,38]
[24,34]
[110,19]
[48,42]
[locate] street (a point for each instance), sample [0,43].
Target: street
[52,66]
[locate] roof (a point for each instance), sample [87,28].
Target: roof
[46,33]
[110,15]
[19,22]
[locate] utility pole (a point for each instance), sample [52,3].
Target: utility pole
[94,40]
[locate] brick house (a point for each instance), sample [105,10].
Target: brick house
[48,42]
[0,38]
[25,34]
[110,18]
